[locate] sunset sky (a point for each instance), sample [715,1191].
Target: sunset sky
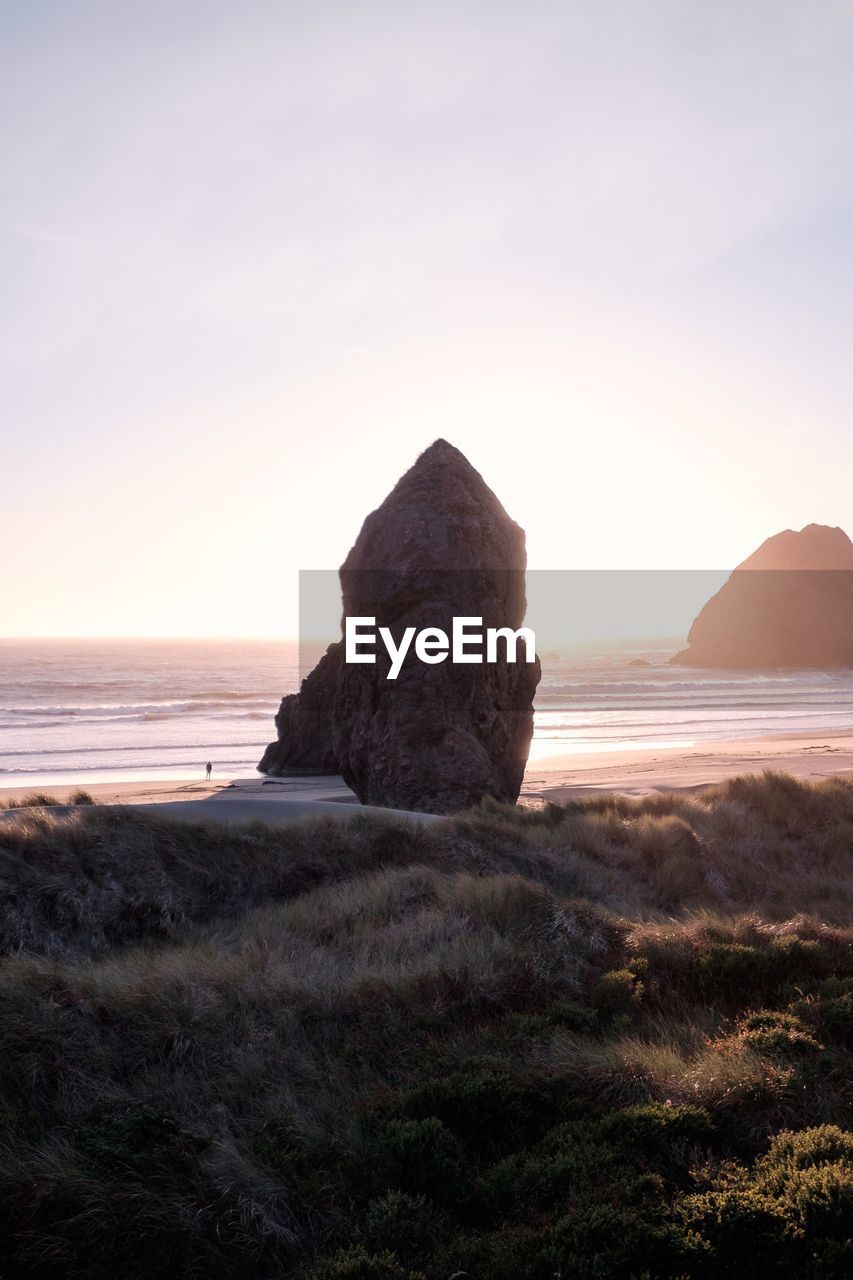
[256,256]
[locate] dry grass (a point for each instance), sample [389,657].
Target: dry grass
[225,1047]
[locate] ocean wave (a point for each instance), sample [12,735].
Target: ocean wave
[59,767]
[94,713]
[719,688]
[732,723]
[108,749]
[231,695]
[594,706]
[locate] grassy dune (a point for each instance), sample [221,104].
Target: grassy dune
[609,1039]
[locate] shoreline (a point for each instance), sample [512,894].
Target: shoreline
[631,771]
[639,772]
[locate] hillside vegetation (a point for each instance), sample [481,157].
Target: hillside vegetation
[611,1039]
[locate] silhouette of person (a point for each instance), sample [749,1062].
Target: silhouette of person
[209,768]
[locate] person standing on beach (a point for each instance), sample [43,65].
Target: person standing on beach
[209,768]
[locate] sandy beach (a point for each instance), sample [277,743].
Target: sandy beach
[274,800]
[642,771]
[638,771]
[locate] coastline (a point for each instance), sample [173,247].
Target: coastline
[642,771]
[631,771]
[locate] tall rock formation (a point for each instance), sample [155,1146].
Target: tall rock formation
[790,604]
[440,737]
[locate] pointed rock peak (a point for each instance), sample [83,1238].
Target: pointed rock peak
[441,448]
[440,514]
[442,456]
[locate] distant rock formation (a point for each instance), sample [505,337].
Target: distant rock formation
[790,604]
[440,737]
[304,723]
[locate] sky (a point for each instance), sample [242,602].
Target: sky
[256,256]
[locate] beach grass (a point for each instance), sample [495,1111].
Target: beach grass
[612,1038]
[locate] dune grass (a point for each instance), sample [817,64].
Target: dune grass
[45,800]
[609,1039]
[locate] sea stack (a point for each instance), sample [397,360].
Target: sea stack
[789,604]
[439,737]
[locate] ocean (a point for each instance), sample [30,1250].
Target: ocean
[97,710]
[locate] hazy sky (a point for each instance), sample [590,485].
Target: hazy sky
[256,255]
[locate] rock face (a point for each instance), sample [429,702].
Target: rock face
[439,737]
[790,604]
[304,723]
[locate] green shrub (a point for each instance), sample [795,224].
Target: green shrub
[794,1210]
[770,1020]
[778,1035]
[836,1017]
[140,1140]
[808,1148]
[422,1157]
[737,974]
[617,992]
[512,1253]
[733,972]
[819,1201]
[571,1016]
[730,1226]
[653,1126]
[609,1242]
[487,1109]
[562,1167]
[799,958]
[356,1263]
[408,1226]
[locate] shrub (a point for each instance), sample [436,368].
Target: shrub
[356,1263]
[566,1165]
[608,1242]
[730,1226]
[617,992]
[797,959]
[654,1126]
[778,1035]
[836,1016]
[140,1140]
[794,1210]
[571,1015]
[487,1109]
[808,1148]
[513,1253]
[831,1009]
[422,1156]
[734,973]
[818,1201]
[408,1226]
